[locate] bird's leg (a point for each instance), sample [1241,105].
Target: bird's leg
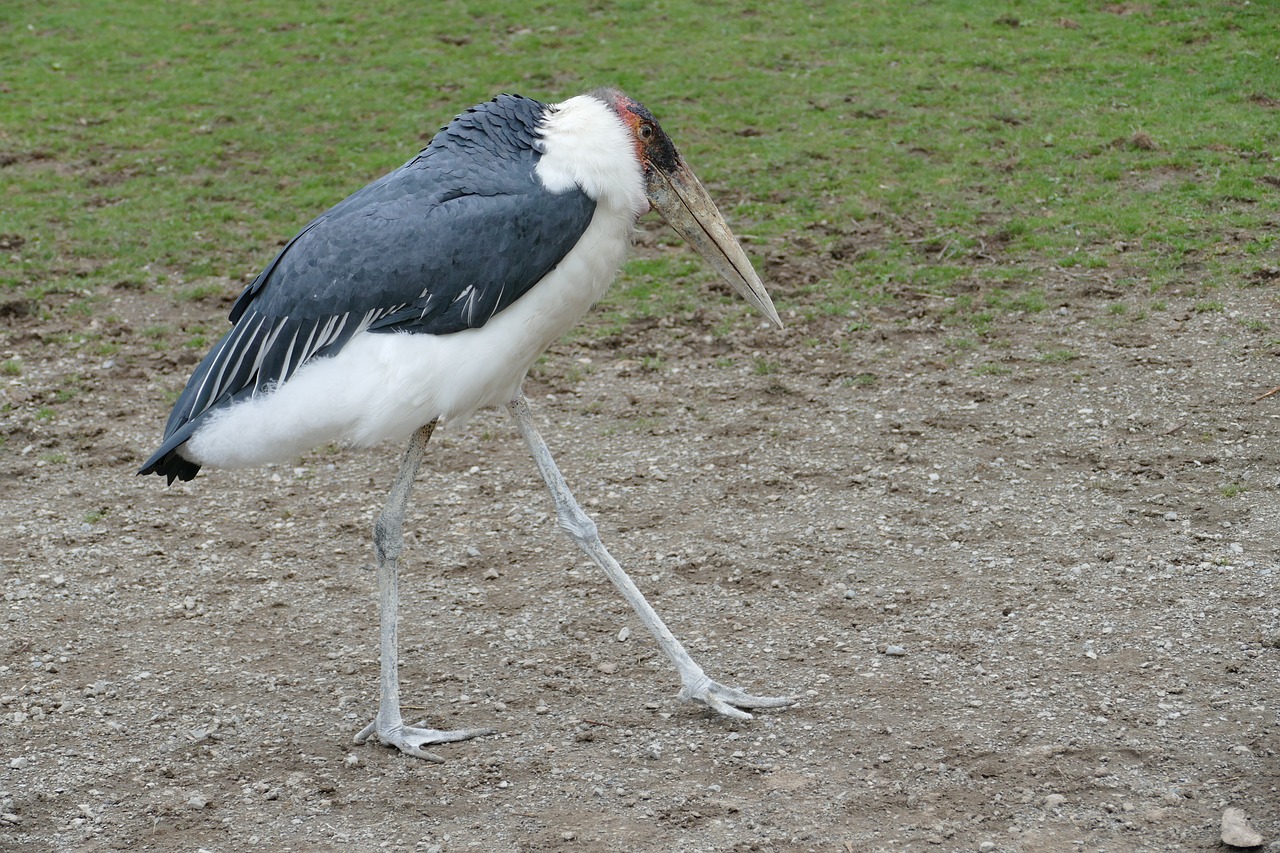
[695,684]
[388,540]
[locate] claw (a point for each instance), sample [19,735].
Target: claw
[729,701]
[411,739]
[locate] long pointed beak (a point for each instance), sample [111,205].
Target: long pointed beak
[684,202]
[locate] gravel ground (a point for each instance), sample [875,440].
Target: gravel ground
[1026,590]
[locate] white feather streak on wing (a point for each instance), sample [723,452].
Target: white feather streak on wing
[314,341]
[288,357]
[308,347]
[242,345]
[244,351]
[330,334]
[214,381]
[263,348]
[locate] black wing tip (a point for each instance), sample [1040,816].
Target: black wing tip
[170,465]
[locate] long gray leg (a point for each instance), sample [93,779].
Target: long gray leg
[388,541]
[695,685]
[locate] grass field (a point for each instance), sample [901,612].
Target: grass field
[953,150]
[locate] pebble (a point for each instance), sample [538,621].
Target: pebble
[1053,801]
[987,846]
[608,667]
[624,634]
[1237,831]
[895,651]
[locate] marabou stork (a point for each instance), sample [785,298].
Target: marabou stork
[427,295]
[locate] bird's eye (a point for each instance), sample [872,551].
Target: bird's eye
[646,131]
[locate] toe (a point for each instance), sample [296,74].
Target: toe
[730,701]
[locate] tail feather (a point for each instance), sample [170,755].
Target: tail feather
[170,464]
[167,461]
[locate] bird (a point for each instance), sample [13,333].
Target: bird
[429,294]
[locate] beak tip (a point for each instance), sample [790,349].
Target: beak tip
[766,307]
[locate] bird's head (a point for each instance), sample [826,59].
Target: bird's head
[677,194]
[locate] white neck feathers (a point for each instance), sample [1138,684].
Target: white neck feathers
[587,145]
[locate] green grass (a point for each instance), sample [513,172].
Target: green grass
[1058,356]
[948,149]
[763,367]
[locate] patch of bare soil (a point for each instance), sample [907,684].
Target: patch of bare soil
[1026,591]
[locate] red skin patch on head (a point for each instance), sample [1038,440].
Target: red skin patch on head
[651,144]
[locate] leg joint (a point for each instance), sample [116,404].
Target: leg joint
[578,525]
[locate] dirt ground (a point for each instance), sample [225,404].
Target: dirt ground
[1025,588]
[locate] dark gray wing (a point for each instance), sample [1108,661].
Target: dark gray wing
[440,245]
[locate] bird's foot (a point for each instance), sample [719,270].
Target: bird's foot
[730,701]
[410,740]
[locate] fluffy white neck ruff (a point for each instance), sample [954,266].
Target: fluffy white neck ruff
[587,145]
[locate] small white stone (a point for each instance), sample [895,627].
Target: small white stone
[1237,831]
[624,634]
